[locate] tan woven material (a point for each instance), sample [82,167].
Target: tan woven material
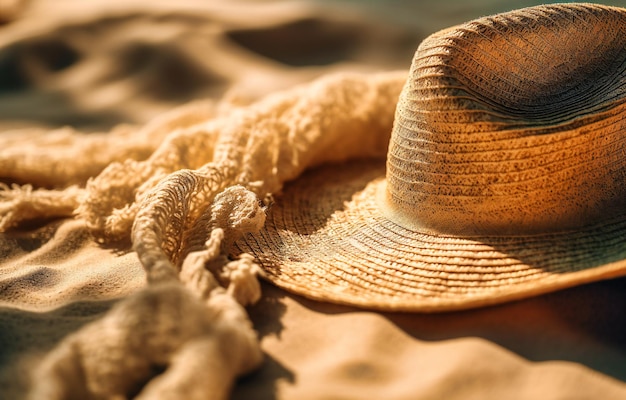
[182,188]
[505,174]
[183,207]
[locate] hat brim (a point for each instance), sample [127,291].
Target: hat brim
[325,238]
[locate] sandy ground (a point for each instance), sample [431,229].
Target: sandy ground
[95,65]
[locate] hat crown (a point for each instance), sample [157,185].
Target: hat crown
[513,123]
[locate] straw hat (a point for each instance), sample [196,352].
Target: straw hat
[505,176]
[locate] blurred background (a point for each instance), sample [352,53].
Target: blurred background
[94,64]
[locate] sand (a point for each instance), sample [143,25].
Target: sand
[110,67]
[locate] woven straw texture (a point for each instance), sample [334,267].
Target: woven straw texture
[326,238]
[505,174]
